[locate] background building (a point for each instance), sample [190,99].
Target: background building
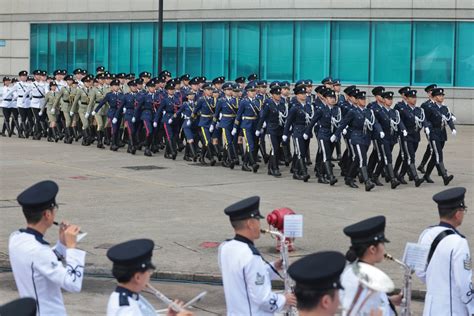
[363,42]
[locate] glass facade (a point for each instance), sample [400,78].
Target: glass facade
[360,52]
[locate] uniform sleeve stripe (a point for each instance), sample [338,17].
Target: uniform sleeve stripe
[247,292]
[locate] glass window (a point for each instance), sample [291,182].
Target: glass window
[39,47]
[57,46]
[433,52]
[119,47]
[190,48]
[350,51]
[142,47]
[216,49]
[390,53]
[277,51]
[98,46]
[244,48]
[77,46]
[312,45]
[465,54]
[170,47]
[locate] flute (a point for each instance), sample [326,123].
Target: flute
[79,237]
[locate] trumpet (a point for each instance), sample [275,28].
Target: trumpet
[285,263]
[405,305]
[79,237]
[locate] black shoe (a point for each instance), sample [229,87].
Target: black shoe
[245,167]
[148,152]
[322,180]
[332,181]
[369,185]
[351,183]
[255,168]
[213,161]
[402,180]
[419,181]
[394,183]
[427,178]
[421,168]
[377,182]
[447,179]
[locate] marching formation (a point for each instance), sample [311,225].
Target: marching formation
[241,123]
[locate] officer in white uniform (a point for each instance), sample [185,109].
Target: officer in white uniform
[7,104]
[367,245]
[317,278]
[246,275]
[40,271]
[20,307]
[448,275]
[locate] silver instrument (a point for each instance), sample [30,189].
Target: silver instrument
[289,284]
[171,303]
[405,305]
[79,237]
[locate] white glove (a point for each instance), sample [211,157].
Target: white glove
[170,121]
[284,138]
[71,113]
[453,118]
[133,119]
[188,123]
[427,131]
[155,124]
[257,133]
[382,134]
[333,138]
[40,113]
[453,132]
[234,131]
[264,124]
[93,113]
[405,133]
[114,120]
[211,128]
[344,131]
[305,136]
[86,115]
[53,111]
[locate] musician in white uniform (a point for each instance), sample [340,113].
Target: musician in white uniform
[317,278]
[39,270]
[132,268]
[246,275]
[448,275]
[368,246]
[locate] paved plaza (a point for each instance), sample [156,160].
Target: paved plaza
[115,197]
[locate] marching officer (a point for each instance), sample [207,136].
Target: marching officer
[401,155]
[246,275]
[189,125]
[368,246]
[81,105]
[37,92]
[165,114]
[448,274]
[65,99]
[96,95]
[52,111]
[376,155]
[246,119]
[145,112]
[439,116]
[39,270]
[318,284]
[425,105]
[131,102]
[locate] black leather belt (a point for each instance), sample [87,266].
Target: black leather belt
[41,97]
[66,101]
[84,103]
[8,100]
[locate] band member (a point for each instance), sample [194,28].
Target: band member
[368,246]
[317,278]
[39,270]
[439,116]
[246,275]
[448,275]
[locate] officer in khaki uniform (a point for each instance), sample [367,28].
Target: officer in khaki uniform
[65,99]
[52,111]
[96,95]
[81,105]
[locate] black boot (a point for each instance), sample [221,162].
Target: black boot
[202,158]
[376,174]
[100,137]
[133,146]
[210,155]
[393,180]
[192,150]
[429,169]
[245,163]
[414,175]
[50,135]
[108,136]
[85,141]
[56,134]
[302,173]
[252,162]
[148,147]
[426,156]
[230,157]
[263,150]
[330,174]
[113,142]
[273,169]
[120,136]
[365,176]
[186,155]
[444,174]
[286,153]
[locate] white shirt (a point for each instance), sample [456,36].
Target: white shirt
[7,97]
[37,93]
[362,306]
[247,280]
[39,273]
[123,302]
[448,277]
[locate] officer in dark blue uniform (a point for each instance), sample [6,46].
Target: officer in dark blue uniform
[115,101]
[247,119]
[323,116]
[376,154]
[425,105]
[272,116]
[285,149]
[145,112]
[362,123]
[165,116]
[299,117]
[217,84]
[205,108]
[346,104]
[392,126]
[226,112]
[189,125]
[414,120]
[131,103]
[439,116]
[401,155]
